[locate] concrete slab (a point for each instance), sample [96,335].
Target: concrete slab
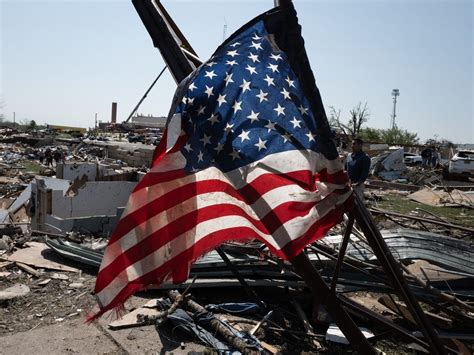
[72,337]
[21,200]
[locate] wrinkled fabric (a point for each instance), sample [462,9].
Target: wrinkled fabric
[194,326]
[181,320]
[242,308]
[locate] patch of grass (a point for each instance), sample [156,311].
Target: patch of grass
[455,215]
[31,166]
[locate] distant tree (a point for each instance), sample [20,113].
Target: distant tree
[369,134]
[24,122]
[358,116]
[32,126]
[440,142]
[398,136]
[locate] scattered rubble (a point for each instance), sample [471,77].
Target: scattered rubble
[56,218]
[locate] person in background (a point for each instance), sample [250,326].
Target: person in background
[41,156]
[358,166]
[426,157]
[48,157]
[57,154]
[435,158]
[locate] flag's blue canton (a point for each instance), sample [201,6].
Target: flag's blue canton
[243,104]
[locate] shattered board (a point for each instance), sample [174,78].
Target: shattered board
[39,255]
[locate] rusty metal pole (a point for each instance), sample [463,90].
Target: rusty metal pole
[342,252]
[323,295]
[394,273]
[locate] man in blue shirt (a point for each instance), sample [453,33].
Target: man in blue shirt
[357,166]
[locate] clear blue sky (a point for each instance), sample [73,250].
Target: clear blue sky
[63,61]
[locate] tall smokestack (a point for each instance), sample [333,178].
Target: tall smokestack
[114,113]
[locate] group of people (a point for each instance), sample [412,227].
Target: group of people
[48,155]
[430,157]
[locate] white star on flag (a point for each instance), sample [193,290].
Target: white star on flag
[280,110]
[213,119]
[270,125]
[228,128]
[310,136]
[261,144]
[232,53]
[228,79]
[221,99]
[205,140]
[286,94]
[251,69]
[210,74]
[245,85]
[253,57]
[262,96]
[231,63]
[253,116]
[236,106]
[244,136]
[192,87]
[256,45]
[286,137]
[296,123]
[269,80]
[208,91]
[219,148]
[273,68]
[303,110]
[276,57]
[201,110]
[200,156]
[290,82]
[235,154]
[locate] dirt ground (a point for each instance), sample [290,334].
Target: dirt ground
[51,319]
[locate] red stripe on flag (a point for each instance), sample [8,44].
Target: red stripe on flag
[249,193]
[268,225]
[182,261]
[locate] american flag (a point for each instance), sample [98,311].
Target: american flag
[240,159]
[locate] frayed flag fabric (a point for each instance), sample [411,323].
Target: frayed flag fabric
[247,154]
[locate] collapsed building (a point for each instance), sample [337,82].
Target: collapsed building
[83,197]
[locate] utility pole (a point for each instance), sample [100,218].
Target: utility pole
[14,120]
[224,32]
[395,94]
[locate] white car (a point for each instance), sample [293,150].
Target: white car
[412,159]
[462,163]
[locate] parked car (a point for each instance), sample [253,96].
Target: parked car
[412,159]
[136,139]
[462,164]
